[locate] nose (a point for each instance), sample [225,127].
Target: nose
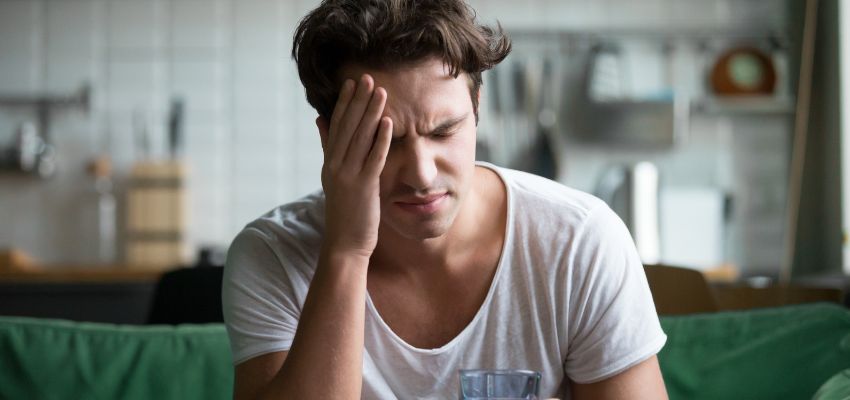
[420,167]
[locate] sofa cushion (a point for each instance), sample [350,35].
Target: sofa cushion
[56,359]
[776,353]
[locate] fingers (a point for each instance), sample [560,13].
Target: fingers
[364,136]
[378,154]
[351,118]
[357,138]
[345,94]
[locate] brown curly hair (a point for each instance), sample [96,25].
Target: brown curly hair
[387,33]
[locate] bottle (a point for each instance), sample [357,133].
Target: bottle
[28,146]
[101,171]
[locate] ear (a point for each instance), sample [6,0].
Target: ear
[322,124]
[477,105]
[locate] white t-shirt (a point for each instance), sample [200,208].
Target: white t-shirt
[569,297]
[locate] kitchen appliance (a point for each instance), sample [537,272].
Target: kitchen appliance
[693,226]
[632,192]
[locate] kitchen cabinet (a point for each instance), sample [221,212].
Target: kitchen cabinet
[113,295]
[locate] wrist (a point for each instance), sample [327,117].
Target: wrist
[346,258]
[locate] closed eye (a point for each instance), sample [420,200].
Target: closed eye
[449,127]
[444,130]
[443,134]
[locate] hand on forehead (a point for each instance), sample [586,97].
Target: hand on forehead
[420,96]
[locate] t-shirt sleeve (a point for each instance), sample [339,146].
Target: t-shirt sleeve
[614,323]
[259,297]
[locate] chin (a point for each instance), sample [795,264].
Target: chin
[420,229]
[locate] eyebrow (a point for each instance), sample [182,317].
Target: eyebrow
[448,124]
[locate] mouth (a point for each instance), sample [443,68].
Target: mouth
[422,205]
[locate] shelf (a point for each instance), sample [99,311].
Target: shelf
[743,105]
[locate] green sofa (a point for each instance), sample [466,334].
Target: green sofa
[775,353]
[781,353]
[57,359]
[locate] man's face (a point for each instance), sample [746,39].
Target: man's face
[431,161]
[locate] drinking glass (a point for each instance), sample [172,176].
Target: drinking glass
[502,384]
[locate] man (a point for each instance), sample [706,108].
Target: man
[415,261]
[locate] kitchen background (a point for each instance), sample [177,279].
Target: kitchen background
[606,84]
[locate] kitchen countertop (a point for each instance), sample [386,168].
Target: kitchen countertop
[81,274]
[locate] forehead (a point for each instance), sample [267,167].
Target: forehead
[421,93]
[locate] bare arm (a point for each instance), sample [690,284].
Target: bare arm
[643,381]
[326,357]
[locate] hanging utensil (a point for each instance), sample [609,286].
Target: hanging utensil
[175,128]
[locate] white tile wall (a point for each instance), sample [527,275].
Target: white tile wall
[198,24]
[201,84]
[19,77]
[66,74]
[251,140]
[19,28]
[21,41]
[72,30]
[135,24]
[135,84]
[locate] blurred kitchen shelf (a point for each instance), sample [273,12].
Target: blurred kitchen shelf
[743,105]
[774,38]
[81,274]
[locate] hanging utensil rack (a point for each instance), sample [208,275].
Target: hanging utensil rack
[43,105]
[46,103]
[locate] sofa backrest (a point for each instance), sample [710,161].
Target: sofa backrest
[779,353]
[57,359]
[773,353]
